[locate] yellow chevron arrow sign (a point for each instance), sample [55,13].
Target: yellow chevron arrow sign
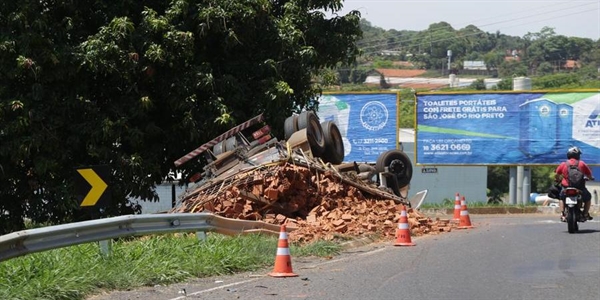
[98,186]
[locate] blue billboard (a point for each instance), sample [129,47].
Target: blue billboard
[516,128]
[368,122]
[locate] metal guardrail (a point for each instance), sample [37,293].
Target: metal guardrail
[40,239]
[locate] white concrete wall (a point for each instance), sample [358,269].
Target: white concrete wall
[469,181]
[594,188]
[164,192]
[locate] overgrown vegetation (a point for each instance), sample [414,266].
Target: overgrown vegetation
[78,271]
[535,54]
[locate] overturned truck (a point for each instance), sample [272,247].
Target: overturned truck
[252,175]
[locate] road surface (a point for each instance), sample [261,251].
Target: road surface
[504,257]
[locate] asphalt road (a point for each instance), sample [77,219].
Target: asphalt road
[504,257]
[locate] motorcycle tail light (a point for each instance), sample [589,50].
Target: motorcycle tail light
[571,192]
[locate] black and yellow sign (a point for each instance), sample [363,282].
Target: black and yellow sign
[92,186]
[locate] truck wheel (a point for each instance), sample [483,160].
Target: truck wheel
[230,144]
[334,146]
[219,148]
[397,163]
[314,132]
[290,126]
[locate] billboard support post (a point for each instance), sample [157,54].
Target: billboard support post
[523,174]
[512,183]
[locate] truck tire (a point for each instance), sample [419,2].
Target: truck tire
[219,148]
[397,163]
[290,126]
[334,145]
[231,144]
[314,132]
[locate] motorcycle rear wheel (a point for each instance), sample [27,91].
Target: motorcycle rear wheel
[572,220]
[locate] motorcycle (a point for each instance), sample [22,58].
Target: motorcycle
[573,208]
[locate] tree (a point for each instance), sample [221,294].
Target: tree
[497,180]
[556,81]
[493,59]
[478,84]
[577,47]
[542,178]
[512,69]
[407,108]
[137,84]
[506,84]
[545,68]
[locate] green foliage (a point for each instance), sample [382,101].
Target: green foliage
[478,84]
[545,68]
[542,178]
[318,248]
[555,81]
[493,59]
[352,75]
[497,180]
[588,73]
[137,84]
[407,108]
[382,64]
[506,84]
[512,69]
[533,55]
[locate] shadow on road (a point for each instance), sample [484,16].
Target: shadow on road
[587,231]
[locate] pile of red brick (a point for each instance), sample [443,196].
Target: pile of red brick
[316,205]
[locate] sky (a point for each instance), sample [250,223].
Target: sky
[579,18]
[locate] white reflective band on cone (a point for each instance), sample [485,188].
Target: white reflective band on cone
[283,251]
[402,225]
[464,212]
[283,235]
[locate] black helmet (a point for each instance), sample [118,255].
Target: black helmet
[574,152]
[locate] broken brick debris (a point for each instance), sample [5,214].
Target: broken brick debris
[314,205]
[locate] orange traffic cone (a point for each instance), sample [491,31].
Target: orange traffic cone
[465,220]
[283,261]
[457,208]
[403,231]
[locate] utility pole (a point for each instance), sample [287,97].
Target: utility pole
[449,59]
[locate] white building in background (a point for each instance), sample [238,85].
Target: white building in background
[474,65]
[443,182]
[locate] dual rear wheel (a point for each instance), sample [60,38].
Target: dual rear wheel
[326,142]
[325,139]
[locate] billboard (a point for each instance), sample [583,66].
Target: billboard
[513,128]
[368,122]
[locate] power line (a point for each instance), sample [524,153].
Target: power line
[465,35]
[478,26]
[459,24]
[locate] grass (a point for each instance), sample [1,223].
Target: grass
[80,271]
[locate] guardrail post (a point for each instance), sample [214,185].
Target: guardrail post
[105,247]
[201,235]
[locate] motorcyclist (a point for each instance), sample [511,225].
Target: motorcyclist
[574,155]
